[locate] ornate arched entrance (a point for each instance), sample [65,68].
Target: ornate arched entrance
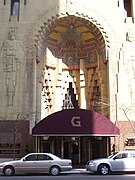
[75,53]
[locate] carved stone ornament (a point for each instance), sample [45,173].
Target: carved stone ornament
[11,60]
[129,36]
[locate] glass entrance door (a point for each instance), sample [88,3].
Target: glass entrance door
[71,149]
[67,150]
[46,146]
[95,149]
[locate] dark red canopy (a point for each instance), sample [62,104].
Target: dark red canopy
[75,122]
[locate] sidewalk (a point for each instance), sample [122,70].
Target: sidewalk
[78,170]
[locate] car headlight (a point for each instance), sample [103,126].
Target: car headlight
[90,163]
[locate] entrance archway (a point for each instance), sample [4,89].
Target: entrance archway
[78,50]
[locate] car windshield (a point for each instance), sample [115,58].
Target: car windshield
[111,155]
[108,157]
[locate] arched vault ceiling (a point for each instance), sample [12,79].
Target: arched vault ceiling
[72,37]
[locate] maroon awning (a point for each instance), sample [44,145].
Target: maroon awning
[75,122]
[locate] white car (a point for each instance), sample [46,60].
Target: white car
[123,161]
[36,163]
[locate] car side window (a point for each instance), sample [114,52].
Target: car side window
[132,155]
[124,155]
[49,158]
[42,157]
[31,158]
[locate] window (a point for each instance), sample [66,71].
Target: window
[44,157]
[15,7]
[130,142]
[128,8]
[31,158]
[124,155]
[121,155]
[24,2]
[132,155]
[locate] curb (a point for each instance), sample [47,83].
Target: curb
[77,171]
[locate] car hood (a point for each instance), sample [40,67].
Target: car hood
[9,162]
[98,160]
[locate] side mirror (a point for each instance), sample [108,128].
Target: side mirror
[24,159]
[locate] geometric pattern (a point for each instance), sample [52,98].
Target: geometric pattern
[73,38]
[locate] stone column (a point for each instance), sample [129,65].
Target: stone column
[102,69]
[58,90]
[38,91]
[82,85]
[33,92]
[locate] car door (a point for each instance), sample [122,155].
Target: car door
[28,164]
[44,162]
[120,162]
[131,162]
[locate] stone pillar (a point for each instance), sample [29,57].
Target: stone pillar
[38,101]
[62,147]
[58,90]
[38,144]
[39,87]
[82,85]
[102,69]
[33,93]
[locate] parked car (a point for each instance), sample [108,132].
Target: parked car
[36,163]
[123,161]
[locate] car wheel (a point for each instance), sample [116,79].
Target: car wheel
[8,171]
[55,170]
[103,169]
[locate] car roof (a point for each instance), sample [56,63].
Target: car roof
[40,153]
[50,154]
[126,151]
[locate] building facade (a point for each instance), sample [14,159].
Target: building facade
[64,54]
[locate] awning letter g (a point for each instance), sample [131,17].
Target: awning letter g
[76,122]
